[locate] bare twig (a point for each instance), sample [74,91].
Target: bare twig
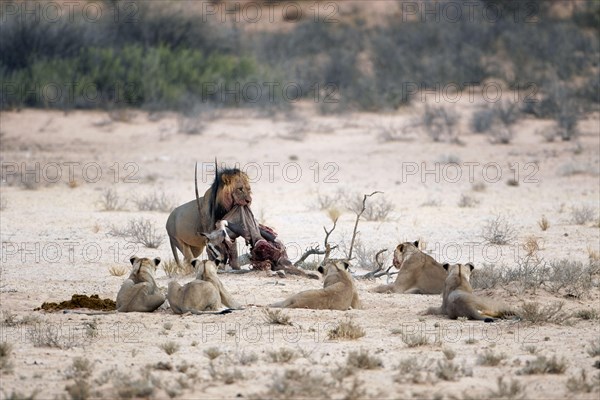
[309,252]
[356,222]
[376,273]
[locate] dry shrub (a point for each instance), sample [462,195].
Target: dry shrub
[581,384]
[346,330]
[414,370]
[536,314]
[295,384]
[81,368]
[490,359]
[415,339]
[499,230]
[118,270]
[5,350]
[440,123]
[363,360]
[109,201]
[154,202]
[531,245]
[141,231]
[594,349]
[543,223]
[581,215]
[282,355]
[589,314]
[376,208]
[169,347]
[447,370]
[544,365]
[276,317]
[212,352]
[467,201]
[478,187]
[512,390]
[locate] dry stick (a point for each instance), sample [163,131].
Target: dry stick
[316,250]
[356,222]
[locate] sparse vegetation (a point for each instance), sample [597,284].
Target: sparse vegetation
[295,383]
[543,365]
[531,245]
[440,123]
[499,230]
[276,317]
[169,347]
[141,231]
[414,370]
[346,330]
[80,369]
[377,209]
[448,371]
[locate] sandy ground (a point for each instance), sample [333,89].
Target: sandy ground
[55,243]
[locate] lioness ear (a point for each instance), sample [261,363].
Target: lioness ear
[133,259]
[217,262]
[346,264]
[416,243]
[157,261]
[194,262]
[446,266]
[471,266]
[401,248]
[320,269]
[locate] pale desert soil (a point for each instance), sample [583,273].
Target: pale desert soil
[55,243]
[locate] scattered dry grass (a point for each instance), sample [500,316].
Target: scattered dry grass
[154,202]
[447,370]
[276,317]
[414,370]
[81,368]
[346,330]
[294,383]
[544,365]
[478,187]
[588,314]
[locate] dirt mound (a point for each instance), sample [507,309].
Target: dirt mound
[93,302]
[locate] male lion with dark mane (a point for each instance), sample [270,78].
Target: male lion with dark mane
[187,222]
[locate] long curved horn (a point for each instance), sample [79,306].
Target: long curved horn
[196,186]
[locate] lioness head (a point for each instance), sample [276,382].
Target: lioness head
[235,189]
[463,271]
[204,268]
[333,266]
[143,268]
[404,251]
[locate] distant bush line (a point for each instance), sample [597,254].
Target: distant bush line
[171,58]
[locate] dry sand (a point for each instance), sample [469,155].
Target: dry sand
[55,244]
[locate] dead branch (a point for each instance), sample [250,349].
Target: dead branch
[309,252]
[378,271]
[364,202]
